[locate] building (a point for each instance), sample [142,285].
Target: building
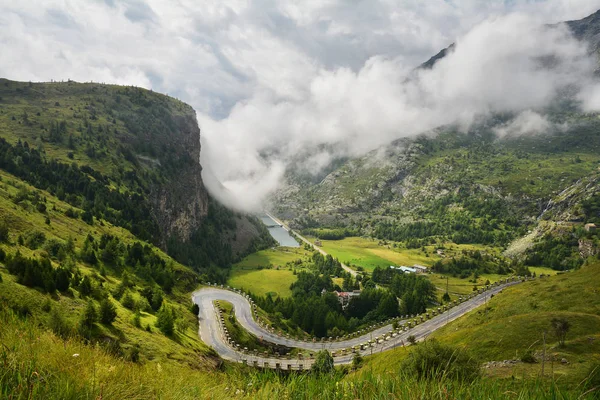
[404,269]
[345,297]
[590,227]
[318,243]
[421,269]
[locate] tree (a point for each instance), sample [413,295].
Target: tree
[157,298]
[323,363]
[446,297]
[62,279]
[165,320]
[4,232]
[88,319]
[85,287]
[561,327]
[128,301]
[356,361]
[108,312]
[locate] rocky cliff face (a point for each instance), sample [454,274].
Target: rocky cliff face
[180,203]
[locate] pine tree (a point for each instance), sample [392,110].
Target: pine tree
[165,320]
[108,312]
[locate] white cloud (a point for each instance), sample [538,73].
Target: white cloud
[526,123]
[283,78]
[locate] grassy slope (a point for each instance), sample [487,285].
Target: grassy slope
[106,106]
[23,218]
[515,322]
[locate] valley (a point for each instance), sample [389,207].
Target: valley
[458,261]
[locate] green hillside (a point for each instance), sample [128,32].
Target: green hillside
[513,325]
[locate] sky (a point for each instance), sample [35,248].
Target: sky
[274,79]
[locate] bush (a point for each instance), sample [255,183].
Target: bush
[433,360]
[133,354]
[137,320]
[323,363]
[127,301]
[165,321]
[88,318]
[35,239]
[4,232]
[108,312]
[528,357]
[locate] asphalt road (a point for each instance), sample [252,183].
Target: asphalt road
[211,331]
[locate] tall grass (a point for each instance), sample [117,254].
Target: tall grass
[36,364]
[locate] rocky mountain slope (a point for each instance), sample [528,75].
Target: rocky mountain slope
[480,186]
[141,145]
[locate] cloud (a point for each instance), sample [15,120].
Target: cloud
[278,81]
[526,123]
[508,64]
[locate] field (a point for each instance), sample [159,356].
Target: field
[268,271]
[276,257]
[368,254]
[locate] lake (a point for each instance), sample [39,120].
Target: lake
[279,233]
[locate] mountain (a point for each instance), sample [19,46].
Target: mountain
[141,149]
[485,186]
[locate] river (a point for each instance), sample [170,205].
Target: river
[279,233]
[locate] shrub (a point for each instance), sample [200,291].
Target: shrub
[4,232]
[561,327]
[35,239]
[528,357]
[165,321]
[108,312]
[133,354]
[323,363]
[136,320]
[127,301]
[88,319]
[433,360]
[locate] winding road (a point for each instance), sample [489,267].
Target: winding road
[380,339]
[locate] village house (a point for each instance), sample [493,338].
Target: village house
[345,297]
[421,269]
[405,269]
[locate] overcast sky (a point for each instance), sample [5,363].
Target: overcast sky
[264,74]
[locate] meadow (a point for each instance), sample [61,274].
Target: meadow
[268,271]
[369,254]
